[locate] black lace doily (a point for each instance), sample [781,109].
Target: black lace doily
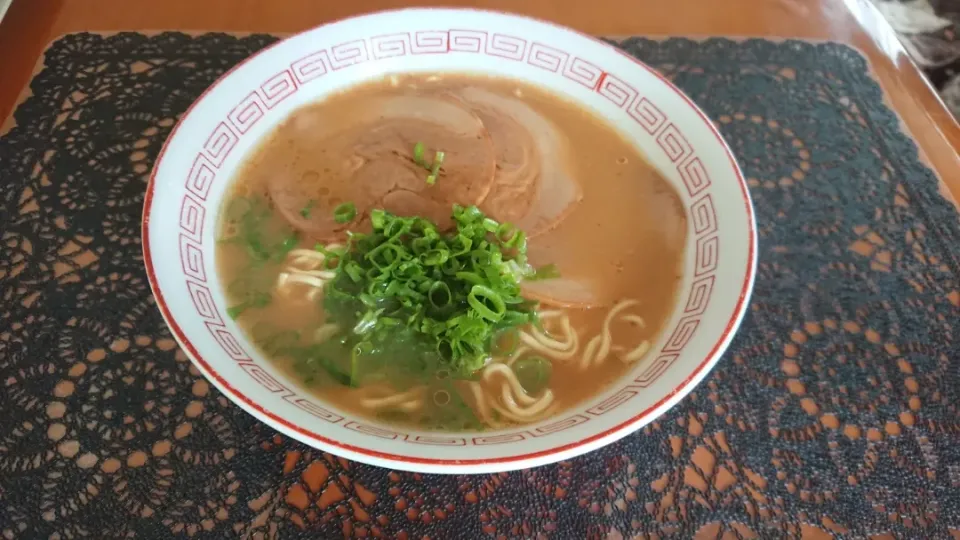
[835,410]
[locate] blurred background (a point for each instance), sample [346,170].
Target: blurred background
[929,30]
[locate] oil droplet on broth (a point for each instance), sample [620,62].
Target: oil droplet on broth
[441,397]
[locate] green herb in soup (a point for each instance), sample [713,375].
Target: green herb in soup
[344,213]
[445,295]
[307,209]
[248,224]
[419,158]
[450,252]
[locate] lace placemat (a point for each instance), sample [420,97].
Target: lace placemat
[835,411]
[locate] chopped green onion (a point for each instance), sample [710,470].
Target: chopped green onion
[548,271]
[506,342]
[335,372]
[239,208]
[419,157]
[344,213]
[332,256]
[253,228]
[435,169]
[435,257]
[533,373]
[357,354]
[507,233]
[367,323]
[378,218]
[354,271]
[305,211]
[447,298]
[289,243]
[418,151]
[286,246]
[255,300]
[486,302]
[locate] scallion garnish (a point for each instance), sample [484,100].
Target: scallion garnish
[533,373]
[445,297]
[435,170]
[344,213]
[419,151]
[548,271]
[251,229]
[254,300]
[305,211]
[505,343]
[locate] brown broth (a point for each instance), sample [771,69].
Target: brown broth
[626,236]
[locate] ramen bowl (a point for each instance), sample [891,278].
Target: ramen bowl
[208,146]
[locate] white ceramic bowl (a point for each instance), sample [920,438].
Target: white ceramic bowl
[220,130]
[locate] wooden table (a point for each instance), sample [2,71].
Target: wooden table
[31,24]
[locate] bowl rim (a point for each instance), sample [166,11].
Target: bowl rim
[436,465]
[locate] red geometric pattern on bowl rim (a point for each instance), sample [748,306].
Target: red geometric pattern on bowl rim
[291,78]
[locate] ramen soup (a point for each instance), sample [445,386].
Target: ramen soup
[450,253]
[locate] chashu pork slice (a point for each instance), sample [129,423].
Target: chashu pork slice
[372,157]
[534,187]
